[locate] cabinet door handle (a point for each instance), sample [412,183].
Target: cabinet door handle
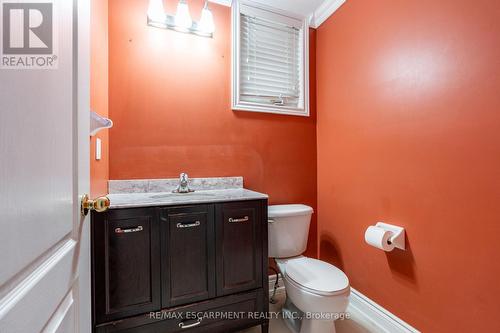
[243,219]
[126,231]
[183,326]
[188,225]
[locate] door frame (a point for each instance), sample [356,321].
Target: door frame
[81,151]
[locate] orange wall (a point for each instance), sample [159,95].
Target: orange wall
[170,102]
[408,132]
[99,170]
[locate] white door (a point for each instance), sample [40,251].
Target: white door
[44,166]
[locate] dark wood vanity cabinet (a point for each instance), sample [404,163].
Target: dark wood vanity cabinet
[239,247]
[126,263]
[187,254]
[203,258]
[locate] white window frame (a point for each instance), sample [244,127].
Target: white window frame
[237,103]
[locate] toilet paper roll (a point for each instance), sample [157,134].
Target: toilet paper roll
[379,238]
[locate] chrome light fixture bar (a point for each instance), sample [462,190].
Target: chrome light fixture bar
[181,21]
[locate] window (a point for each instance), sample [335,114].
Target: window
[270,60]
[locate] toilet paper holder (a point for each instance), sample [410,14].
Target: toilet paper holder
[398,234]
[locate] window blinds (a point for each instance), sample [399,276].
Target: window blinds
[270,62]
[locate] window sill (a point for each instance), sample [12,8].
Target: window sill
[269,109]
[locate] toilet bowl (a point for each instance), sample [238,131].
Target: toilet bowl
[317,292]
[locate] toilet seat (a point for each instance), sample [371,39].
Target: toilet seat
[316,276]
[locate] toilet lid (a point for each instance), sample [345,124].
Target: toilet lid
[316,275]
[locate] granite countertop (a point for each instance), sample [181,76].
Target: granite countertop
[158,192]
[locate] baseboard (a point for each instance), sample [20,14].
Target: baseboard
[382,318]
[360,305]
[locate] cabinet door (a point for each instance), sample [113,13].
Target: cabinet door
[126,262]
[239,246]
[188,254]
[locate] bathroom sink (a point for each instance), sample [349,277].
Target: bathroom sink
[173,195]
[128,200]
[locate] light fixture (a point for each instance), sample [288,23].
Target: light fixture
[207,21]
[156,12]
[182,17]
[182,20]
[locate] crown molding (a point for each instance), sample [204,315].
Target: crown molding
[324,11]
[320,15]
[226,3]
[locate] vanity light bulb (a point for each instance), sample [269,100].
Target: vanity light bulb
[156,12]
[182,17]
[207,20]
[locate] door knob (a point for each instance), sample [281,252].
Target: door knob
[100,204]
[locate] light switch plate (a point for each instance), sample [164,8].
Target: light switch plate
[98,149]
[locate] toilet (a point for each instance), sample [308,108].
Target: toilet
[317,292]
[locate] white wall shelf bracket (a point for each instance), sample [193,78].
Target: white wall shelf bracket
[98,122]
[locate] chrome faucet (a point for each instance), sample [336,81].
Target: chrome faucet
[183,186]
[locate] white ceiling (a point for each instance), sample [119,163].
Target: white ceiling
[301,7]
[317,10]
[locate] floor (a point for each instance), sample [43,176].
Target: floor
[356,324]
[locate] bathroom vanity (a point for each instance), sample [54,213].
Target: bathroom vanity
[172,262]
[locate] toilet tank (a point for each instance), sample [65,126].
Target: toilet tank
[288,227]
